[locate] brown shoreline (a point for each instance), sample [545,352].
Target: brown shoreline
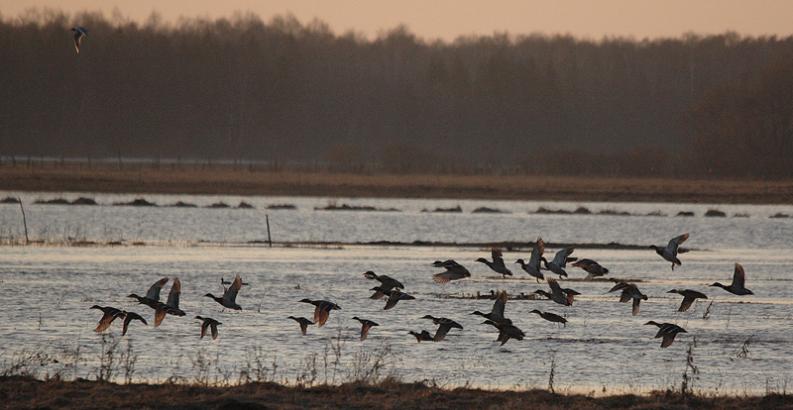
[26,392]
[238,180]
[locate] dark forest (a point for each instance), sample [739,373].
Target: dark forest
[287,92]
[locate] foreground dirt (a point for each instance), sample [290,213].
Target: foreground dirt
[20,392]
[220,179]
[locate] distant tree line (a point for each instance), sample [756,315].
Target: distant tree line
[283,91]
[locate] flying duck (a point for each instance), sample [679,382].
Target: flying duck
[228,300]
[394,296]
[667,331]
[171,306]
[365,326]
[444,325]
[630,292]
[533,267]
[454,271]
[592,268]
[498,263]
[109,315]
[689,296]
[559,262]
[738,280]
[152,295]
[561,296]
[322,310]
[424,336]
[208,322]
[386,283]
[129,317]
[671,250]
[506,331]
[303,323]
[497,313]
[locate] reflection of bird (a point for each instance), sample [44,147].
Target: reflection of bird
[671,250]
[229,298]
[689,296]
[386,284]
[454,271]
[365,326]
[591,267]
[498,263]
[551,317]
[129,317]
[506,331]
[533,267]
[321,310]
[208,322]
[109,315]
[559,262]
[738,280]
[171,306]
[79,33]
[444,325]
[668,331]
[424,336]
[303,323]
[497,313]
[394,296]
[630,292]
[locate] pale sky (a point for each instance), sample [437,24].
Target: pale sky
[447,19]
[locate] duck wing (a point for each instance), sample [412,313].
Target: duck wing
[321,314]
[536,253]
[499,305]
[204,326]
[230,295]
[668,338]
[675,242]
[365,329]
[440,334]
[214,328]
[154,291]
[107,318]
[560,259]
[129,317]
[303,327]
[738,277]
[636,303]
[173,295]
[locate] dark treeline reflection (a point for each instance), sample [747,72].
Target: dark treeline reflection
[242,88]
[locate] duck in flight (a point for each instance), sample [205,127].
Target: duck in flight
[444,326]
[229,298]
[394,296]
[303,323]
[454,271]
[506,331]
[171,306]
[208,322]
[79,33]
[561,296]
[365,326]
[322,310]
[386,284]
[496,314]
[630,292]
[109,314]
[424,336]
[533,267]
[498,263]
[737,287]
[128,318]
[152,297]
[689,296]
[559,262]
[670,251]
[592,268]
[667,331]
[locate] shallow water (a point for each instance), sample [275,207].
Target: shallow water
[46,292]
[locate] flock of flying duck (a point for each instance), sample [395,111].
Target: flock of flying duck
[392,290]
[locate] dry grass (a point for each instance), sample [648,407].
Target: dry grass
[221,179]
[26,392]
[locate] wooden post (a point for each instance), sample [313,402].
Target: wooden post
[269,238]
[24,220]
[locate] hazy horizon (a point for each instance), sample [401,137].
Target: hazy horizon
[448,20]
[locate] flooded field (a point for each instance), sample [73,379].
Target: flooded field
[742,344]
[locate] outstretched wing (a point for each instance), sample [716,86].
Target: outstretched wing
[214,328]
[739,277]
[159,315]
[154,290]
[321,316]
[536,253]
[687,302]
[440,334]
[675,242]
[204,326]
[668,339]
[230,295]
[555,288]
[636,302]
[173,295]
[560,259]
[498,306]
[303,327]
[443,277]
[105,321]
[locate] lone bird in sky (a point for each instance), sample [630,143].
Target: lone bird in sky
[79,33]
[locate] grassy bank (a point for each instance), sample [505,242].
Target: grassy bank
[235,180]
[26,392]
